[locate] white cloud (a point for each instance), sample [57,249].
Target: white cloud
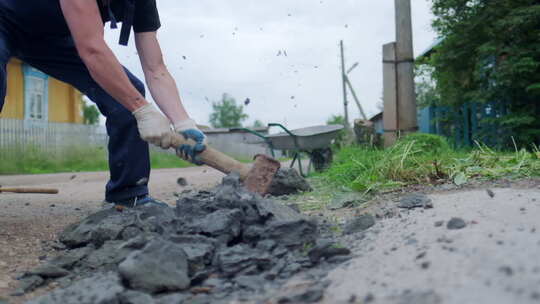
[232,47]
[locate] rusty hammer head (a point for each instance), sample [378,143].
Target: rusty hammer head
[261,174]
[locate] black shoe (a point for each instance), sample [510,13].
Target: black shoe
[144,200]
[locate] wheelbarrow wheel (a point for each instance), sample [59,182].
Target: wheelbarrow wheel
[321,159]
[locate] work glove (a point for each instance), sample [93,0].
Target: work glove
[189,130]
[153,126]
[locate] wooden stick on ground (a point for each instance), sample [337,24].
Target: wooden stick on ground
[29,190]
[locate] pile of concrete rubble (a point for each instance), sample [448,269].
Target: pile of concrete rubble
[213,247]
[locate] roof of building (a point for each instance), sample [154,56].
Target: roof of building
[431,49]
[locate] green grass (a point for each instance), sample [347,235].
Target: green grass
[74,159]
[424,159]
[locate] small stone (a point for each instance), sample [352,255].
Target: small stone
[359,224]
[535,295]
[506,270]
[456,223]
[490,193]
[182,182]
[369,298]
[425,265]
[415,200]
[439,223]
[52,205]
[345,200]
[421,255]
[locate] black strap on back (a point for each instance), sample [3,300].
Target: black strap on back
[112,18]
[127,23]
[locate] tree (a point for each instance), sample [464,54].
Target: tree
[258,124]
[336,120]
[226,113]
[339,141]
[489,52]
[90,113]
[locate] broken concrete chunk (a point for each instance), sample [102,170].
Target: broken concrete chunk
[237,259]
[49,271]
[456,223]
[270,210]
[28,284]
[326,250]
[415,200]
[199,249]
[292,233]
[108,256]
[175,298]
[67,259]
[160,266]
[98,289]
[135,297]
[359,224]
[221,223]
[288,181]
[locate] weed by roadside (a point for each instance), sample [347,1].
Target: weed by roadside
[425,159]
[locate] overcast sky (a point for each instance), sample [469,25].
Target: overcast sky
[283,55]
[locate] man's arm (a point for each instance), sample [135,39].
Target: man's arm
[160,82]
[86,26]
[165,93]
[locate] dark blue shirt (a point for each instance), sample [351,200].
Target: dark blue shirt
[45,17]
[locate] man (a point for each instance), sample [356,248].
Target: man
[65,39]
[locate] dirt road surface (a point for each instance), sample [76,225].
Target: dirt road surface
[29,222]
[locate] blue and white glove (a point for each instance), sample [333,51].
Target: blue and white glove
[188,129]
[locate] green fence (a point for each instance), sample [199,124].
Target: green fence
[468,123]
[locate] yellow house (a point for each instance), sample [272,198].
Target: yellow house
[33,95]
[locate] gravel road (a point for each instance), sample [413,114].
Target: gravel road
[422,256]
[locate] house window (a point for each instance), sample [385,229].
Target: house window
[36,91]
[36,98]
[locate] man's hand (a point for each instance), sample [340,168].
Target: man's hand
[153,126]
[189,130]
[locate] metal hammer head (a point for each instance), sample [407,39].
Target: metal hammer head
[261,174]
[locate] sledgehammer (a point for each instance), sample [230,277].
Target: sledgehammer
[257,177]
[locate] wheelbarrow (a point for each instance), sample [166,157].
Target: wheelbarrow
[314,141]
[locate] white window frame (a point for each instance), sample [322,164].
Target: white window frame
[36,94]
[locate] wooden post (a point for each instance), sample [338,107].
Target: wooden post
[355,97]
[343,76]
[390,95]
[407,112]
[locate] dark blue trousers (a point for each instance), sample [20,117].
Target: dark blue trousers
[129,161]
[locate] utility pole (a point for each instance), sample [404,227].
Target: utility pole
[343,80]
[405,68]
[402,107]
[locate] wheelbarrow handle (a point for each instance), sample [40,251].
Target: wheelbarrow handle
[282,127]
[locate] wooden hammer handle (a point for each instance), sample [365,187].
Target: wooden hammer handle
[29,190]
[215,159]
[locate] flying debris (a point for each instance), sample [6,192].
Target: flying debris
[247,101]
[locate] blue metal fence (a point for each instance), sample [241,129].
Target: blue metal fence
[466,124]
